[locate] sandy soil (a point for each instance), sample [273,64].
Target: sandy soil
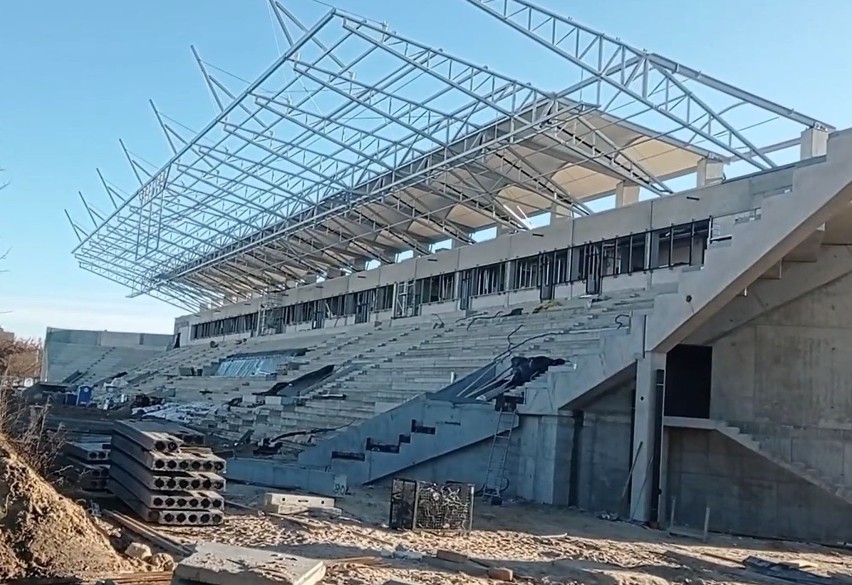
[44,534]
[525,538]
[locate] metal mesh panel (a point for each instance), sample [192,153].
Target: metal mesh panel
[431,506]
[402,503]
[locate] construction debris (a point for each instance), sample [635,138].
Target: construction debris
[791,572]
[147,533]
[280,503]
[85,463]
[156,469]
[136,550]
[218,564]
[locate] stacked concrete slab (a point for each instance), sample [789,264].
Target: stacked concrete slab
[164,473]
[85,462]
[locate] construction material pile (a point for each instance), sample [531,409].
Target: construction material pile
[84,462]
[44,534]
[161,470]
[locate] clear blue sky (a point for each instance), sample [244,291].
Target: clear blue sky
[76,76]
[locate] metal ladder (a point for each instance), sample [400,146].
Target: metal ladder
[495,475]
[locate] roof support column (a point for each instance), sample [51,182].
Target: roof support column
[626,194]
[647,436]
[814,143]
[709,172]
[556,212]
[503,230]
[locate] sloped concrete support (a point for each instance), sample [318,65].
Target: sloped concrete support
[444,427]
[820,190]
[832,263]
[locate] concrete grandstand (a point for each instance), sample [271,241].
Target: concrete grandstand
[74,356]
[323,243]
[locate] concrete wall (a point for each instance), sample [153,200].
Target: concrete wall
[542,457]
[468,465]
[786,378]
[604,452]
[736,196]
[107,338]
[576,458]
[70,350]
[747,494]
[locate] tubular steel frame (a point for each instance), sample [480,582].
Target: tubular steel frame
[356,134]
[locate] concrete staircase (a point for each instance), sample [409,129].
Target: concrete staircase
[425,427]
[415,432]
[763,448]
[784,224]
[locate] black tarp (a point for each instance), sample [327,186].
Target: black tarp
[295,387]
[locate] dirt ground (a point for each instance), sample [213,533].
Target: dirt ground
[44,534]
[541,544]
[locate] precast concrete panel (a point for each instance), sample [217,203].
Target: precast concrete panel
[544,239]
[623,221]
[364,280]
[399,272]
[435,264]
[496,250]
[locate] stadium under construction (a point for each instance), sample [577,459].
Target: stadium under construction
[409,224]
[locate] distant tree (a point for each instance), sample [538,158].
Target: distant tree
[19,359]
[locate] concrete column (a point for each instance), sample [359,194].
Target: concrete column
[814,143]
[333,273]
[557,212]
[626,194]
[647,434]
[710,172]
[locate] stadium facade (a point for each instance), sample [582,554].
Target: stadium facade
[290,212]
